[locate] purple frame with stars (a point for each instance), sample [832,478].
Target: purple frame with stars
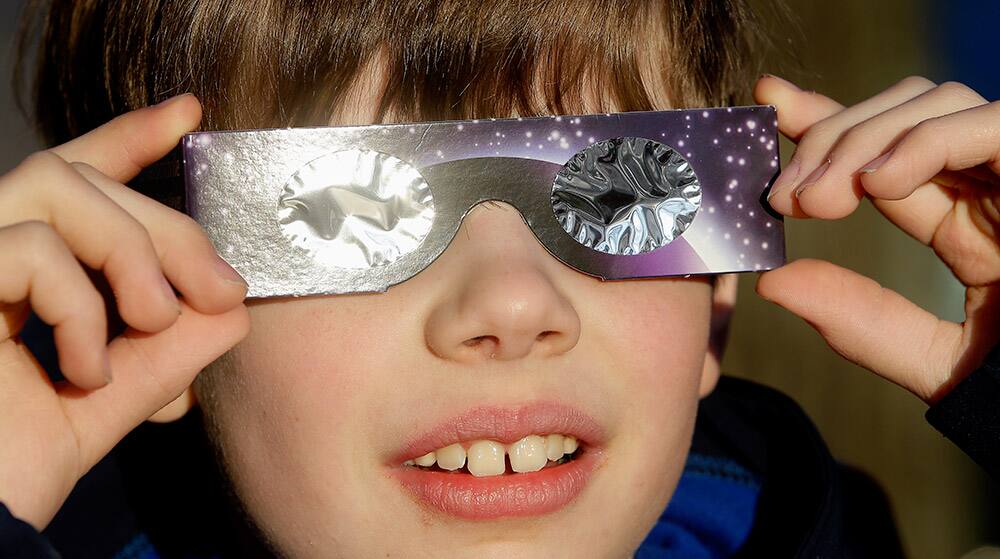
[234,178]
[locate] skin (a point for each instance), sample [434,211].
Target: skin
[928,157]
[309,380]
[314,402]
[494,320]
[52,213]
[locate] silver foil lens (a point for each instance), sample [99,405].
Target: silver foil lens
[626,195]
[356,209]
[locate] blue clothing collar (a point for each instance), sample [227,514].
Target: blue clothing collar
[710,515]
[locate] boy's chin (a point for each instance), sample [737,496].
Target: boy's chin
[599,524]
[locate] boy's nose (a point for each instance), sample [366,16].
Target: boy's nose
[505,302]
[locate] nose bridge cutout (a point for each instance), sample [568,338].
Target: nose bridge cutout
[461,185]
[525,185]
[506,208]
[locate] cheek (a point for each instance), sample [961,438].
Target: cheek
[659,333]
[301,401]
[324,368]
[302,367]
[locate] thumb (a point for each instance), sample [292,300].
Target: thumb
[868,324]
[129,143]
[150,370]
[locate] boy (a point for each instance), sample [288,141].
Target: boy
[315,413]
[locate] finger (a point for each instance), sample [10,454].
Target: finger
[38,267]
[921,213]
[810,158]
[150,371]
[868,324]
[124,146]
[187,256]
[798,110]
[836,193]
[953,142]
[98,231]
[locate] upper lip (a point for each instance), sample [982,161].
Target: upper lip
[506,425]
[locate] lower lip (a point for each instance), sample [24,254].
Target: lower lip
[510,495]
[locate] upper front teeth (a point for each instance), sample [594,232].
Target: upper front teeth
[451,457]
[486,458]
[528,454]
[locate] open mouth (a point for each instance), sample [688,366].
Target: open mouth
[496,462]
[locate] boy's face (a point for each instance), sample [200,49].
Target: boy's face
[328,396]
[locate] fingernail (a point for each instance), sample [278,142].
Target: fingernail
[813,178]
[173,100]
[107,367]
[787,177]
[168,292]
[876,163]
[227,272]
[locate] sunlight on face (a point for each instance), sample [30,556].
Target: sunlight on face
[329,411]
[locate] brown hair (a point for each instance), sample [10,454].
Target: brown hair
[264,63]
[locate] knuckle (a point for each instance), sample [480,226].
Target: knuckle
[187,227]
[926,130]
[42,159]
[915,82]
[42,166]
[182,231]
[960,91]
[37,233]
[133,234]
[821,129]
[816,142]
[41,243]
[47,173]
[993,110]
[852,136]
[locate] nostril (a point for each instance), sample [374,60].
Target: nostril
[483,346]
[545,335]
[484,342]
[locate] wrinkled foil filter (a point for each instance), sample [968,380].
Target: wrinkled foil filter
[313,211]
[356,209]
[626,195]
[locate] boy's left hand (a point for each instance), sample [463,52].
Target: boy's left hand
[928,157]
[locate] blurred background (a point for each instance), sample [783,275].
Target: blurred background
[849,49]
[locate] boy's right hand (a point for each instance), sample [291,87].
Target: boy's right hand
[61,210]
